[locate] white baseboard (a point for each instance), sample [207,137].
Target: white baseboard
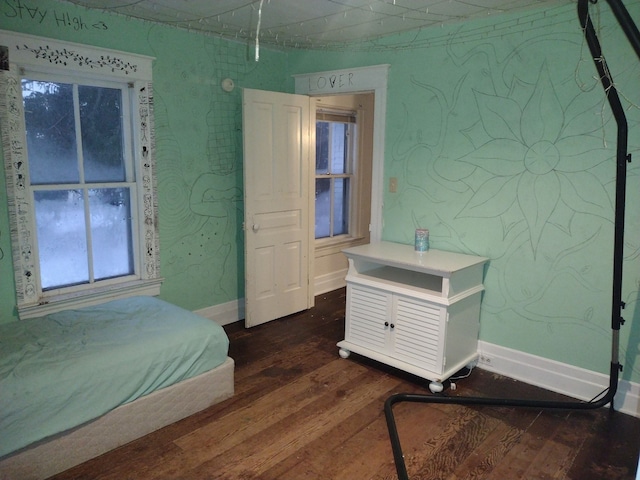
[225,313]
[233,311]
[329,282]
[558,377]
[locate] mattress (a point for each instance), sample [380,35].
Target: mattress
[64,369]
[120,426]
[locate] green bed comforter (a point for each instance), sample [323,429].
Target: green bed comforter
[66,368]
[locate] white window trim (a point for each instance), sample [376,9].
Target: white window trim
[354,181]
[26,51]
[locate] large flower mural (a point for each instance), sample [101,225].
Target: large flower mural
[539,158]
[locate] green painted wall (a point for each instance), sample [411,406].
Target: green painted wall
[198,141]
[497,134]
[496,131]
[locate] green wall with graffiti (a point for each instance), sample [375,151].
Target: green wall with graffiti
[503,146]
[198,143]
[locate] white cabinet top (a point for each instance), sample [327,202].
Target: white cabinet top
[434,262]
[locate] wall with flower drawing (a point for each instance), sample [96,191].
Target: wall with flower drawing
[503,146]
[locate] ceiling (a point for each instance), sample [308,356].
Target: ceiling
[309,23]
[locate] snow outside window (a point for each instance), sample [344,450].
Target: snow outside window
[81,175]
[335,157]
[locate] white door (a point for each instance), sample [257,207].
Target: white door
[278,138]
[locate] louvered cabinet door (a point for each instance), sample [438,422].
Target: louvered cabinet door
[419,332]
[368,316]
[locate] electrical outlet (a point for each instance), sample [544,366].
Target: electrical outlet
[393,184]
[484,359]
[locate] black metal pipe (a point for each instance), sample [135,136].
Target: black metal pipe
[626,22]
[621,162]
[622,158]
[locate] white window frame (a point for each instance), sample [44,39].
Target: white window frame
[336,115]
[41,55]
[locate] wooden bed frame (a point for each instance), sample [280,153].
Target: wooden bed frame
[121,425]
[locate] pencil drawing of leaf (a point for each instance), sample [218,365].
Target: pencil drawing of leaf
[579,120]
[538,196]
[495,112]
[582,192]
[542,116]
[492,199]
[499,157]
[586,152]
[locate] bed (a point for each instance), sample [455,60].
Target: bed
[77,383]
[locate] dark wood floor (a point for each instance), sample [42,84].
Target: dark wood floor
[301,412]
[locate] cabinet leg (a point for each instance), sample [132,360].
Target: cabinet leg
[344,353]
[436,387]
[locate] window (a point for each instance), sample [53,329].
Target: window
[82,180]
[335,157]
[80,174]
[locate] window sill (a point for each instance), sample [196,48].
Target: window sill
[83,299]
[331,246]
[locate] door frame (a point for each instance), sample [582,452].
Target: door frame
[358,80]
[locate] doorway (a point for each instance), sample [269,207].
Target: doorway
[356,80]
[344,148]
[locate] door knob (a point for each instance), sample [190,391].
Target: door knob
[256,227]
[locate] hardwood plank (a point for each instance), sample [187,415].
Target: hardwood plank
[222,441]
[609,450]
[270,446]
[489,453]
[357,448]
[520,457]
[452,445]
[337,449]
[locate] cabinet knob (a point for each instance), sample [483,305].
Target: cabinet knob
[386,324]
[392,325]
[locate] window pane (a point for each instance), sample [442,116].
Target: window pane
[323,207]
[101,132]
[62,237]
[340,206]
[322,148]
[50,132]
[111,232]
[339,144]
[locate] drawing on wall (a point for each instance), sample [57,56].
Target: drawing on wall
[224,206]
[539,162]
[55,17]
[506,155]
[201,203]
[224,118]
